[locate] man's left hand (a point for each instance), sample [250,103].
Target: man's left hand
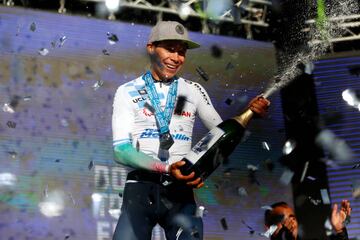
[174,170]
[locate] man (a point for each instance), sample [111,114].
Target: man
[153,118]
[283,217]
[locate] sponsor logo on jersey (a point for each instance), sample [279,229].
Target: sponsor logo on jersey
[138,99]
[154,133]
[148,113]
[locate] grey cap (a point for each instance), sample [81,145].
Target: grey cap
[171,30]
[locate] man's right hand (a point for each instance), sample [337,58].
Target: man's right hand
[174,170]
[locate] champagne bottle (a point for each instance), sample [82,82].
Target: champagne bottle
[216,145]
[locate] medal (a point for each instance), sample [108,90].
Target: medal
[166,141]
[163,117]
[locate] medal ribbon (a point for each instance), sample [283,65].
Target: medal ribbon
[163,117]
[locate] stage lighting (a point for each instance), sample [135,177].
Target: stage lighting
[184,11]
[112,5]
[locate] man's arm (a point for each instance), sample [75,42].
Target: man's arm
[126,154]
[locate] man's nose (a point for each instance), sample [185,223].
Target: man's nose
[175,57]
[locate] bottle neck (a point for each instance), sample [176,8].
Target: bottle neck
[244,118]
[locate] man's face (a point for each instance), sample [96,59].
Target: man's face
[288,224]
[167,58]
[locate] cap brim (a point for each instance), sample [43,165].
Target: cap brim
[191,44]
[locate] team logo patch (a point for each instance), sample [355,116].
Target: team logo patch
[142,91]
[179,29]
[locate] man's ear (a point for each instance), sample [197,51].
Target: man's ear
[150,48]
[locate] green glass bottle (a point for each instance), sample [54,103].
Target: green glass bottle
[216,145]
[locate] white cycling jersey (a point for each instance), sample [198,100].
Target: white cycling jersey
[133,120]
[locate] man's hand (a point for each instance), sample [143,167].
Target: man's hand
[291,225]
[338,217]
[174,170]
[259,105]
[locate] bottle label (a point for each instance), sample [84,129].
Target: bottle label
[204,144]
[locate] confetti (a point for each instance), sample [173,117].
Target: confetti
[325,196]
[33,27]
[265,146]
[356,189]
[269,232]
[328,227]
[27,98]
[269,164]
[311,178]
[46,191]
[352,98]
[14,101]
[62,41]
[252,167]
[115,213]
[356,166]
[314,201]
[43,51]
[7,180]
[286,177]
[91,164]
[54,204]
[228,101]
[224,223]
[202,73]
[251,174]
[72,198]
[98,84]
[229,66]
[227,171]
[251,230]
[64,122]
[304,171]
[112,38]
[289,146]
[105,52]
[242,192]
[266,207]
[7,108]
[12,154]
[216,51]
[337,147]
[11,124]
[200,211]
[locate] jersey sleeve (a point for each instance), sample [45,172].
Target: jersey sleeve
[206,111]
[122,118]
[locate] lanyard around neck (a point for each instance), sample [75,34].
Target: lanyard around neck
[163,117]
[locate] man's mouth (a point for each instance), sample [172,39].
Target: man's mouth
[171,67]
